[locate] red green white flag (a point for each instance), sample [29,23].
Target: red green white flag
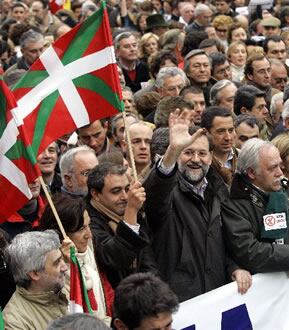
[18,165]
[79,300]
[73,83]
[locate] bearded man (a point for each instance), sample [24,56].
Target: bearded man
[184,196]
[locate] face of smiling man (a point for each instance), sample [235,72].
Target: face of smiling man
[194,162]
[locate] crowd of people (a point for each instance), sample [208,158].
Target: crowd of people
[204,86]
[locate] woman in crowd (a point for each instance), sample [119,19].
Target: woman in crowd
[237,32]
[75,220]
[281,142]
[221,23]
[237,56]
[148,46]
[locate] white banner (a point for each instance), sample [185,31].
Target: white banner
[264,307]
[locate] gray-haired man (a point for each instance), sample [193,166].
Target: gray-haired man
[38,270]
[75,166]
[255,217]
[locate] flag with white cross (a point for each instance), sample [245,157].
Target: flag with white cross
[73,83]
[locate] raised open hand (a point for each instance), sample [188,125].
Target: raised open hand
[179,123]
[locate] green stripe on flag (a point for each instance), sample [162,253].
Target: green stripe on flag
[83,289]
[31,79]
[2,327]
[3,105]
[44,114]
[83,37]
[98,86]
[18,150]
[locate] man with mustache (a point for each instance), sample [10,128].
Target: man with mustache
[255,217]
[183,203]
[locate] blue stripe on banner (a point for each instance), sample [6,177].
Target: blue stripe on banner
[236,318]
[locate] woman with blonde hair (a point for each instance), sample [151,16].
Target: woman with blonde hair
[221,23]
[237,56]
[148,46]
[281,142]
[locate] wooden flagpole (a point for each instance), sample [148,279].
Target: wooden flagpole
[43,185]
[131,156]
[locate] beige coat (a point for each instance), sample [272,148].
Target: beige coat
[26,310]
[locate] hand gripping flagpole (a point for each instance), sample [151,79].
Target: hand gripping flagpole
[43,185]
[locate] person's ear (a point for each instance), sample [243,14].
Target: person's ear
[94,194]
[68,180]
[243,110]
[119,325]
[35,276]
[249,76]
[251,174]
[286,123]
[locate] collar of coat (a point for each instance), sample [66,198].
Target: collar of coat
[242,189]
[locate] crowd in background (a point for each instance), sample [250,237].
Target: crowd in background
[205,90]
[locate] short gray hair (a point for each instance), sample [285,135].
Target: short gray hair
[121,36]
[217,88]
[30,36]
[66,163]
[249,156]
[285,112]
[27,253]
[169,72]
[200,8]
[274,99]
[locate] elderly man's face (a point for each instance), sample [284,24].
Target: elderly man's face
[76,182]
[172,86]
[268,174]
[226,97]
[279,77]
[199,69]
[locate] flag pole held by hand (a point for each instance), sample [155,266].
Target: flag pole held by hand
[131,156]
[43,185]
